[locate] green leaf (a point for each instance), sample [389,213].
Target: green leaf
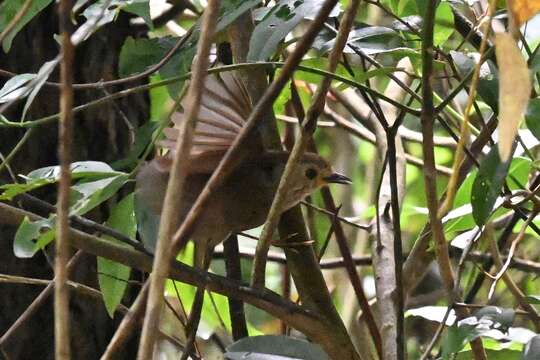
[532,117]
[444,23]
[533,299]
[367,38]
[456,338]
[502,318]
[531,351]
[487,185]
[277,24]
[230,10]
[143,136]
[503,354]
[88,194]
[488,84]
[12,190]
[43,74]
[139,54]
[113,277]
[79,169]
[98,14]
[460,218]
[140,8]
[432,313]
[15,87]
[274,347]
[9,9]
[32,236]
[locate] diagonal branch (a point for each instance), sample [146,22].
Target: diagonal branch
[179,171]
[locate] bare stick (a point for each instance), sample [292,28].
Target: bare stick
[61,290]
[177,178]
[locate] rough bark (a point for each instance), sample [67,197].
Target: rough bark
[99,134]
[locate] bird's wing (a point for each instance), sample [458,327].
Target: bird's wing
[225,107]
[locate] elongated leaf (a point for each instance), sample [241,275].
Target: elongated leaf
[79,169]
[273,347]
[364,37]
[278,23]
[113,276]
[230,10]
[12,190]
[10,8]
[514,91]
[487,185]
[433,313]
[98,14]
[140,8]
[502,318]
[88,195]
[444,23]
[533,299]
[488,86]
[15,87]
[456,338]
[40,79]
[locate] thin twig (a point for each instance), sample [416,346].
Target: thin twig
[61,290]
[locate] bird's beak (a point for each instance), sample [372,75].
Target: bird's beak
[336,178]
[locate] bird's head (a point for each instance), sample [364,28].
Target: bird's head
[312,173]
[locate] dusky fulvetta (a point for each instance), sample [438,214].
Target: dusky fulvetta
[245,198]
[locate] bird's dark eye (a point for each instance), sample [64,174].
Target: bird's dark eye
[311,173]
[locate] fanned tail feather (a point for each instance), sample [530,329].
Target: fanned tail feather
[225,107]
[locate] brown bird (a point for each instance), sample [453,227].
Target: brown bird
[245,198]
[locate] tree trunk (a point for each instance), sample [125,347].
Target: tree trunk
[100,134]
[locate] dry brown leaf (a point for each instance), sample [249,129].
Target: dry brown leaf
[514,90]
[523,10]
